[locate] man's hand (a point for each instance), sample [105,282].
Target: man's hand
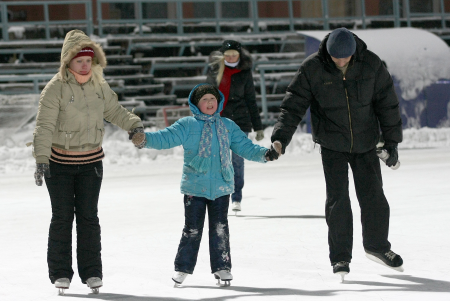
[259,135]
[274,152]
[137,136]
[42,169]
[393,155]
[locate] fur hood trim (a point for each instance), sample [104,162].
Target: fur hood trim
[74,41]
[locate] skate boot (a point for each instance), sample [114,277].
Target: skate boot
[389,259]
[94,284]
[236,207]
[178,278]
[223,275]
[62,284]
[341,268]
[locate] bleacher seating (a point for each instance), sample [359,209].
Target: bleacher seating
[153,76]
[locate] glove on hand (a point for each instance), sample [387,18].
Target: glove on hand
[42,169]
[393,154]
[259,135]
[137,136]
[274,152]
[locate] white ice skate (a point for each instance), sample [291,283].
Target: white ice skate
[94,284]
[178,278]
[223,275]
[62,284]
[236,207]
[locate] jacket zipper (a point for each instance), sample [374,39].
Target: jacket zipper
[87,105]
[349,115]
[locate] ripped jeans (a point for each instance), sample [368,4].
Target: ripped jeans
[219,237]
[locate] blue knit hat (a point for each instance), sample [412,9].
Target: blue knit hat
[341,43]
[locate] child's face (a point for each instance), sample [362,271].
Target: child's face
[208,104]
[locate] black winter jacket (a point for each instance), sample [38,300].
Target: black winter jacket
[346,115]
[241,106]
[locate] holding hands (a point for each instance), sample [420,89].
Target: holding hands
[137,136]
[274,152]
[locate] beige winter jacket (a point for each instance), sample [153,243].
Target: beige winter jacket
[70,115]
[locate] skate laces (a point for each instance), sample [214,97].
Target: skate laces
[342,263]
[390,255]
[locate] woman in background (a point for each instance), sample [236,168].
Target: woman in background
[231,73]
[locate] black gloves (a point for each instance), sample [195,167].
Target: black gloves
[393,154]
[42,169]
[274,152]
[137,136]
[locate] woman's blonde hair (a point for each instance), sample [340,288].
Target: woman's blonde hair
[219,60]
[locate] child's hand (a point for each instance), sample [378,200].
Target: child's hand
[137,136]
[274,152]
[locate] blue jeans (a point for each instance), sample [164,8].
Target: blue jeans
[219,236]
[238,166]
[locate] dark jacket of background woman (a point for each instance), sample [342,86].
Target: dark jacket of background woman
[241,106]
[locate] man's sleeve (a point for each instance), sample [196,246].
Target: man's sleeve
[386,107]
[293,108]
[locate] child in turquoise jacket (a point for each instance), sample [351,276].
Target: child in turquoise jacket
[208,176]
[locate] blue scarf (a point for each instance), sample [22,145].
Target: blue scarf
[202,162]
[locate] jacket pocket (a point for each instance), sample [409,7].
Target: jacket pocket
[331,95]
[69,134]
[99,132]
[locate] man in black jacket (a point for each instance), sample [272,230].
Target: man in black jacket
[351,97]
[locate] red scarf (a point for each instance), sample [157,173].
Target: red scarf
[225,84]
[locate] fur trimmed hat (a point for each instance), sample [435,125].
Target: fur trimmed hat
[198,93]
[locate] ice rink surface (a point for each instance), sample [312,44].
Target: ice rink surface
[279,244]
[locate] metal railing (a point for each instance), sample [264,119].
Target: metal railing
[401,12]
[6,24]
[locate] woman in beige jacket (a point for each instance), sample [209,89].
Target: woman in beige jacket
[68,150]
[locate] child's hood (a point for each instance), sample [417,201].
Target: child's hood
[195,110]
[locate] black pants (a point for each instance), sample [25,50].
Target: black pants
[219,236]
[74,189]
[369,191]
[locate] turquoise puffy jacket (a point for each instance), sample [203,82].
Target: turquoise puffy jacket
[187,132]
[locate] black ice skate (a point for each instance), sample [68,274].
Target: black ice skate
[223,275]
[341,268]
[389,259]
[62,284]
[94,284]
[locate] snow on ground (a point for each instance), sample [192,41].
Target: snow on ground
[278,242]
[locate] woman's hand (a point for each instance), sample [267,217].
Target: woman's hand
[137,136]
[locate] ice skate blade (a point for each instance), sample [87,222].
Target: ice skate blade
[342,274]
[377,260]
[61,291]
[177,284]
[223,284]
[95,290]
